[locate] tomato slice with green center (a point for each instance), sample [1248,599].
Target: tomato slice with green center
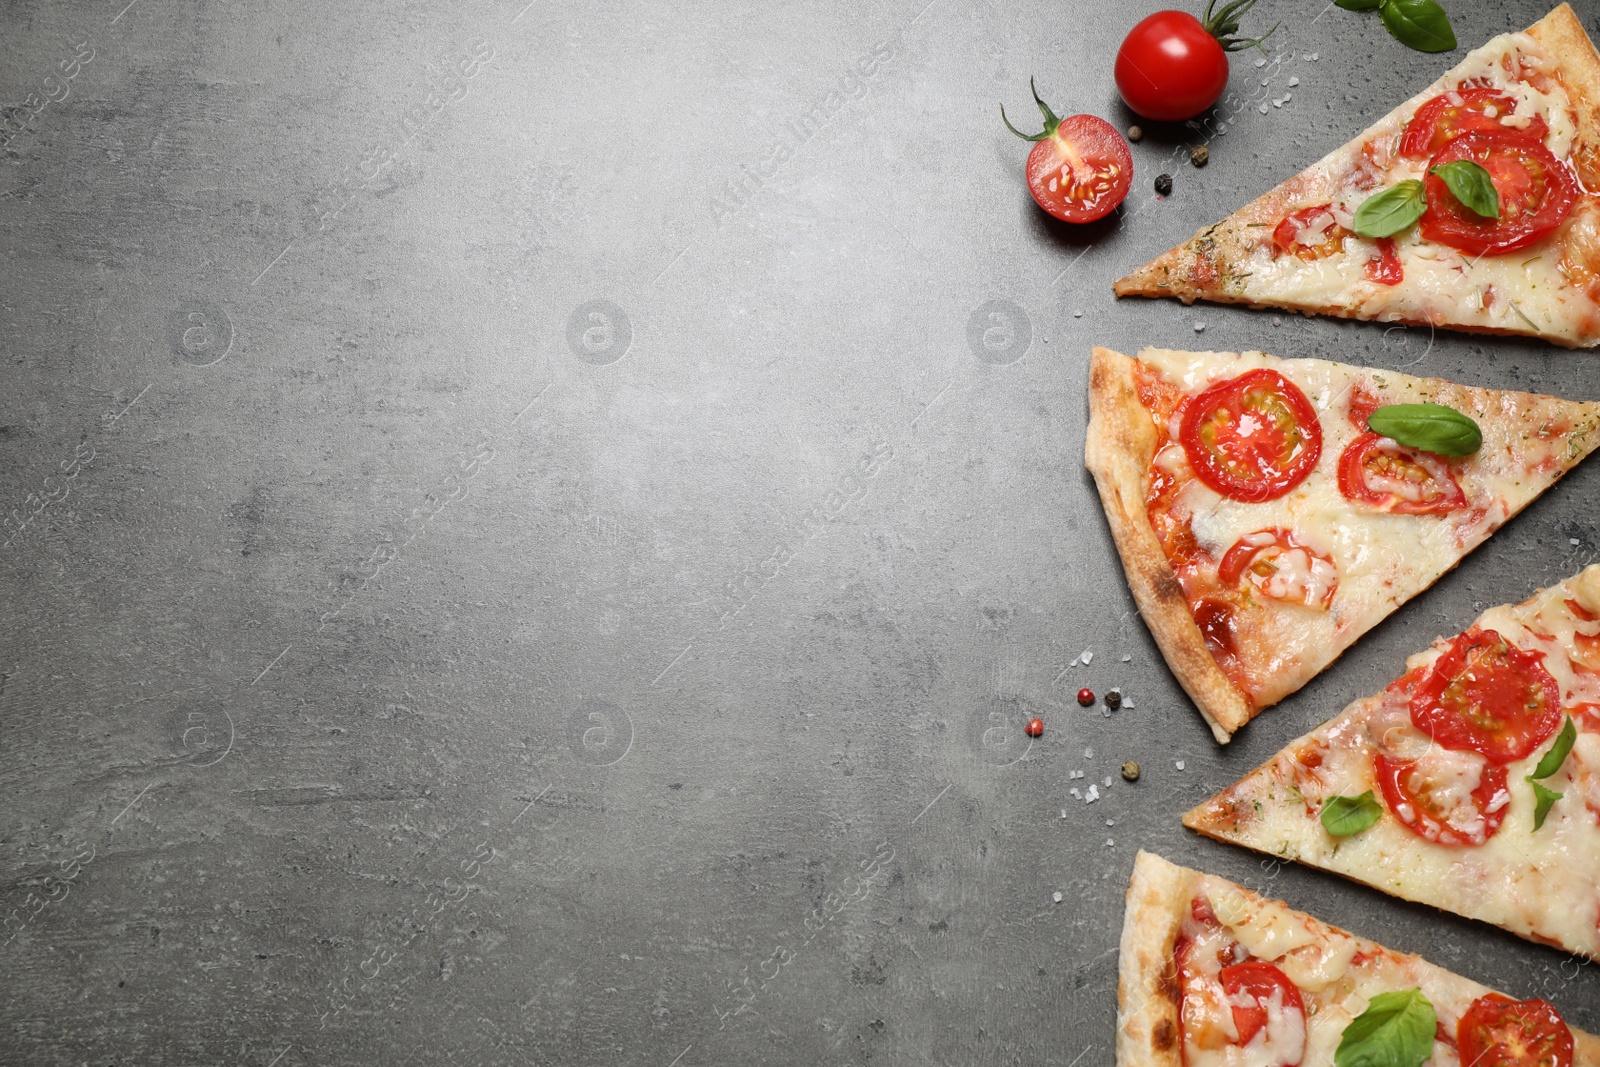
[1429,798]
[1251,987]
[1449,115]
[1252,438]
[1311,233]
[1386,475]
[1276,565]
[1536,189]
[1487,696]
[1082,171]
[1497,1031]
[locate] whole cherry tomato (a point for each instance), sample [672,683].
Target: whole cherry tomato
[1079,168]
[1172,66]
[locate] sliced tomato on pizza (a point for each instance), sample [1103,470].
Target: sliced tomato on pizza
[1472,783]
[1214,975]
[1522,113]
[1265,524]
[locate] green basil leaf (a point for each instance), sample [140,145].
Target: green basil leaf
[1396,1030]
[1430,427]
[1471,185]
[1552,761]
[1390,211]
[1419,24]
[1359,5]
[1546,798]
[1343,816]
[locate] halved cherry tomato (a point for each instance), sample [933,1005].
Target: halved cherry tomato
[1536,190]
[1079,168]
[1311,233]
[1362,404]
[1485,695]
[1448,116]
[1386,475]
[1497,1031]
[1252,438]
[1257,980]
[1277,565]
[1432,810]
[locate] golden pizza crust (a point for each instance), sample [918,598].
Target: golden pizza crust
[1203,267]
[1148,1034]
[1120,447]
[1562,33]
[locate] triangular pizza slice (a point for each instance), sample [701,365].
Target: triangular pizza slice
[1472,783]
[1379,229]
[1214,975]
[1264,526]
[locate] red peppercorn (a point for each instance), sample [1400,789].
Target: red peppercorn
[1086,697]
[1035,727]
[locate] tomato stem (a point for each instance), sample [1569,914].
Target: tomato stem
[1050,120]
[1225,23]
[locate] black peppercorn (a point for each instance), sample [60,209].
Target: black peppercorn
[1163,184]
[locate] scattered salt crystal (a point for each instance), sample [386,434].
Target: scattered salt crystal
[1056,896]
[1092,795]
[1266,81]
[1088,753]
[1077,314]
[1263,109]
[1063,813]
[1087,657]
[1179,765]
[1574,542]
[1261,62]
[1127,703]
[1312,57]
[1109,842]
[1076,795]
[1127,658]
[1287,97]
[1110,822]
[1293,82]
[1108,781]
[1278,102]
[1199,327]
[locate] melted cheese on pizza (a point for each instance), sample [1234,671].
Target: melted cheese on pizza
[1530,290]
[1543,884]
[1287,627]
[1337,976]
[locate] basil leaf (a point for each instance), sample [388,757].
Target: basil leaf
[1546,798]
[1430,427]
[1343,816]
[1358,5]
[1552,761]
[1419,24]
[1396,1030]
[1471,185]
[1390,211]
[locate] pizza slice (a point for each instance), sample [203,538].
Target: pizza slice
[1472,783]
[1214,975]
[1264,527]
[1379,229]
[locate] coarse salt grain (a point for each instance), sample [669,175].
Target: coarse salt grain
[1179,764]
[1075,794]
[1263,109]
[1574,542]
[1056,896]
[1108,781]
[1092,795]
[1087,657]
[1199,327]
[1261,62]
[1088,753]
[1293,82]
[1127,658]
[1109,842]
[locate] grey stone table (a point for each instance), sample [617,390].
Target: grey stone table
[538,527]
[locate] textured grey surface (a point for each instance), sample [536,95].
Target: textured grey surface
[556,573]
